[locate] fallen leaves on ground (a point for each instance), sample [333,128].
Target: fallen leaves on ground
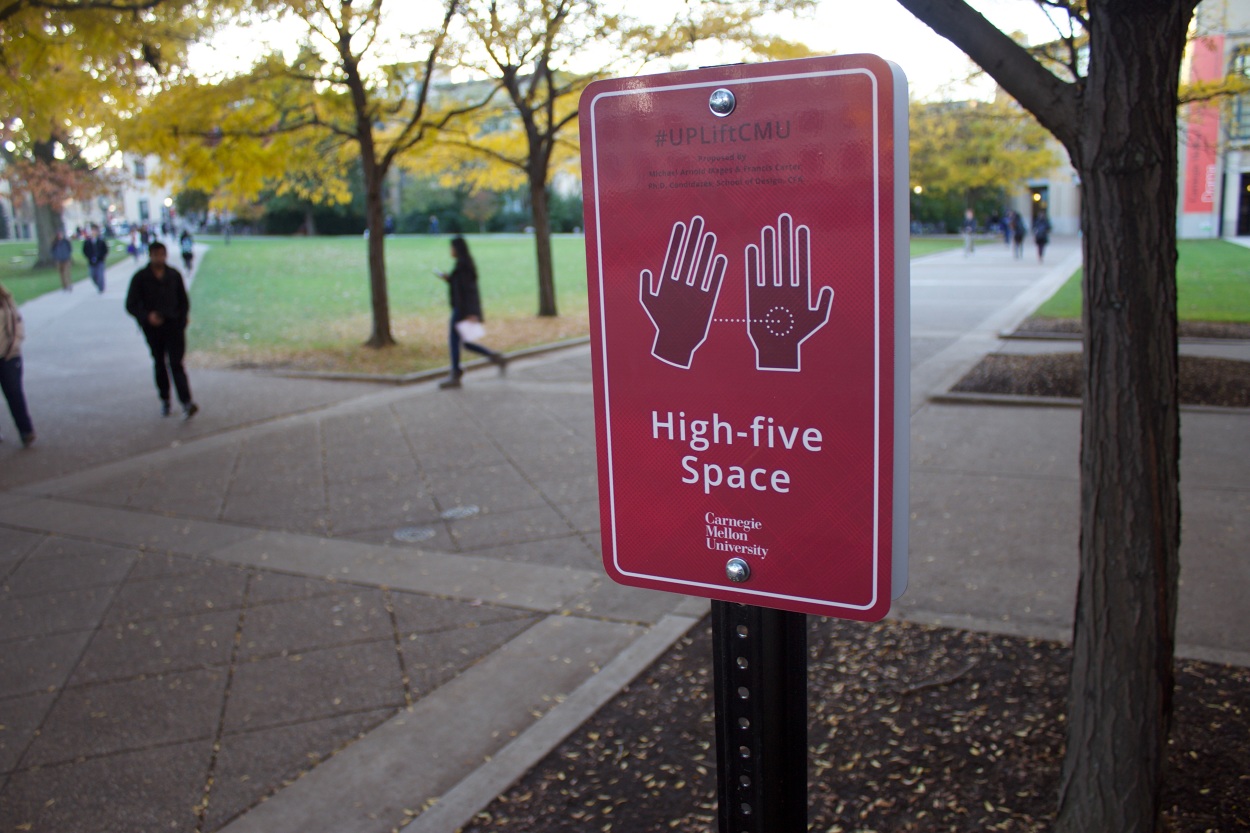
[911,728]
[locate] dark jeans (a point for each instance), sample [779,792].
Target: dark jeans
[97,274]
[454,342]
[11,384]
[168,343]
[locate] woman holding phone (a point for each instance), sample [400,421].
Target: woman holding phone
[466,313]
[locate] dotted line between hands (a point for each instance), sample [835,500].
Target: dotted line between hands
[779,321]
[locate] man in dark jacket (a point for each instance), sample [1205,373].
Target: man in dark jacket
[96,251]
[158,301]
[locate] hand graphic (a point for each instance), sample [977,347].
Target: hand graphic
[780,316]
[680,304]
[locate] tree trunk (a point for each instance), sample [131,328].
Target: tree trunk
[47,224]
[1119,126]
[1120,702]
[375,218]
[374,172]
[47,218]
[542,243]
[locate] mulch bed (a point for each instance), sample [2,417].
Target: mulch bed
[1201,380]
[911,728]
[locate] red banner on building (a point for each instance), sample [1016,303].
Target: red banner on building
[1202,130]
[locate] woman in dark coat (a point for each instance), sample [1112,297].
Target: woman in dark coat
[466,311]
[1041,234]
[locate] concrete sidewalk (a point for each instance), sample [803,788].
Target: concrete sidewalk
[394,585]
[323,605]
[995,487]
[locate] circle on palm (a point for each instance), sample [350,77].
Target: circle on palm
[779,321]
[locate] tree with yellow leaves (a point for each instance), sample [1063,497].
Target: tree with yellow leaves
[972,149]
[533,59]
[351,95]
[70,71]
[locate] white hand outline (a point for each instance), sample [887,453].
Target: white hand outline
[780,313]
[680,304]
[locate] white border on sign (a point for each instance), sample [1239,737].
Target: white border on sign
[876,223]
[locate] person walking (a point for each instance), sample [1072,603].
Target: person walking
[969,228]
[466,313]
[1018,232]
[62,254]
[12,331]
[158,300]
[187,246]
[1041,235]
[96,251]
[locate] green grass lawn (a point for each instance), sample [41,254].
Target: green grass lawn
[16,259]
[18,256]
[921,246]
[1212,284]
[304,302]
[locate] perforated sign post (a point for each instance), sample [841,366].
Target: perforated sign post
[746,238]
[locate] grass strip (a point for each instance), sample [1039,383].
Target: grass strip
[17,272]
[1212,284]
[304,303]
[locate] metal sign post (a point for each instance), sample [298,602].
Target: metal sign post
[747,254]
[760,675]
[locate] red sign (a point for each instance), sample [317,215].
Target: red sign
[746,238]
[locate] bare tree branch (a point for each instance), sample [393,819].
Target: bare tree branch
[414,130]
[1053,101]
[481,150]
[1072,10]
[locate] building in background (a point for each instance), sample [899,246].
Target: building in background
[140,201]
[1214,140]
[1057,195]
[1215,136]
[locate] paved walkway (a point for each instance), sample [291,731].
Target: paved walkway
[323,605]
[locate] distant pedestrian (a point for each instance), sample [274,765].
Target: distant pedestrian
[12,331]
[969,229]
[63,254]
[1008,220]
[1041,235]
[1019,230]
[187,246]
[158,301]
[466,313]
[96,252]
[133,245]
